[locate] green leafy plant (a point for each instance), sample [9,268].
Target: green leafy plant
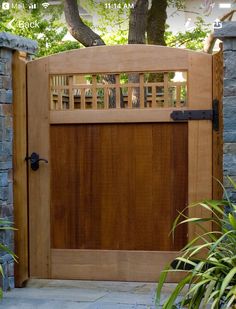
[4,226]
[210,281]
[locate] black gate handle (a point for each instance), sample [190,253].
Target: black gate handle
[34,161]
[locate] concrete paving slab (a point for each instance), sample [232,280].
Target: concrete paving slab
[119,306]
[128,298]
[72,294]
[85,284]
[41,304]
[77,294]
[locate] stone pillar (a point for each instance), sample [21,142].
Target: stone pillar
[228,35]
[8,44]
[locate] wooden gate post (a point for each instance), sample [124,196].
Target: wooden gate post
[13,194]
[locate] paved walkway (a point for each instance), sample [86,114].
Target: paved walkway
[71,294]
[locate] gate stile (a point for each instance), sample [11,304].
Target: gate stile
[132,163]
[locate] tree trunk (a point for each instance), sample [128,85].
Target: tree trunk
[138,22]
[87,37]
[137,31]
[77,27]
[156,22]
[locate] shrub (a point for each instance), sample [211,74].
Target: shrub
[4,226]
[210,281]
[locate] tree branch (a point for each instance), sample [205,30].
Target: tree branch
[77,27]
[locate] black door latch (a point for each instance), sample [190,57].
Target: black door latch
[34,161]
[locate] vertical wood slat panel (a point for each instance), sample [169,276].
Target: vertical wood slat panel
[52,83]
[154,94]
[217,156]
[94,92]
[178,95]
[60,104]
[200,137]
[106,98]
[146,161]
[82,96]
[166,90]
[71,93]
[117,91]
[142,93]
[130,104]
[39,182]
[20,168]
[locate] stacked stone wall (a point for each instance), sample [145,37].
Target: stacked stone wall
[228,35]
[8,44]
[6,173]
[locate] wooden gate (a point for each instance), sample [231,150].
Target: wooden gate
[119,167]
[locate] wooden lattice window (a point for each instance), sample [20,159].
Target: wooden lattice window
[126,90]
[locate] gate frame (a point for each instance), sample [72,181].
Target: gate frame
[20,123]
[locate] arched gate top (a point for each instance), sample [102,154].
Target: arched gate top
[121,58]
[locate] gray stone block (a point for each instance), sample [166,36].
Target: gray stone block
[4,158]
[4,283]
[6,148]
[5,82]
[229,44]
[11,282]
[229,124]
[10,175]
[6,258]
[228,30]
[2,129]
[6,109]
[10,268]
[8,122]
[10,193]
[3,179]
[5,96]
[229,136]
[4,193]
[9,134]
[229,112]
[5,210]
[10,41]
[2,68]
[230,64]
[5,165]
[229,87]
[229,164]
[227,183]
[6,53]
[8,67]
[6,239]
[231,195]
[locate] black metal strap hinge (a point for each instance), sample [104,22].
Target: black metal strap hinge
[202,114]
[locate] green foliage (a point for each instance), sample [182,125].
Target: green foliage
[179,4]
[212,280]
[4,226]
[193,39]
[111,24]
[48,31]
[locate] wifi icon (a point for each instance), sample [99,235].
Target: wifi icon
[45,5]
